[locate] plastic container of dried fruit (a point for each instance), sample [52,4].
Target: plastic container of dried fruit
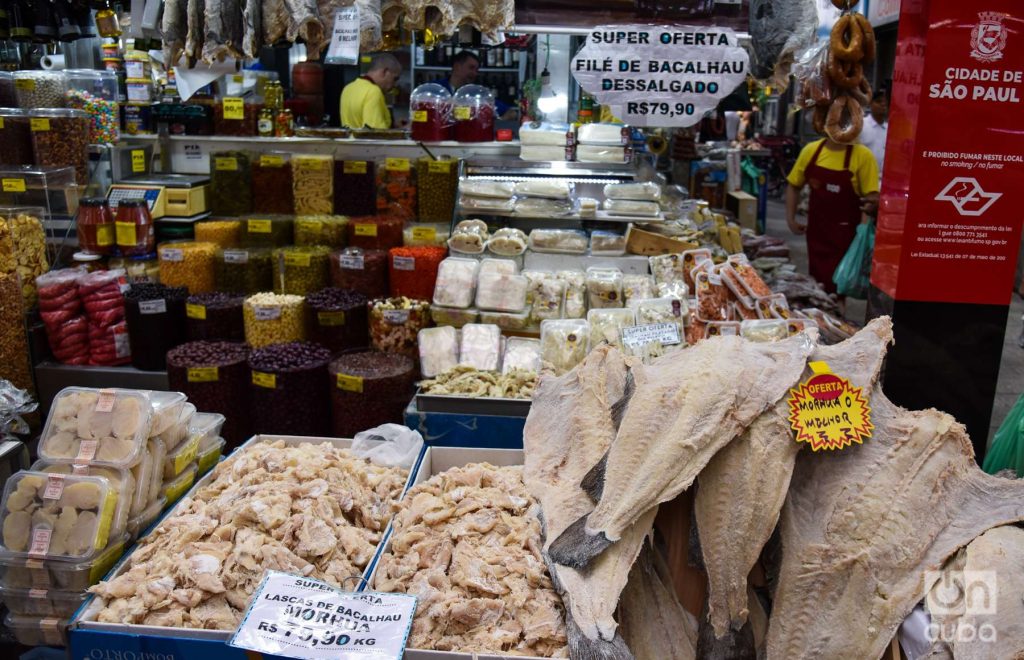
[24,573]
[209,456]
[177,460]
[138,525]
[166,409]
[74,407]
[143,474]
[33,631]
[156,482]
[120,479]
[174,489]
[39,535]
[42,602]
[177,433]
[206,426]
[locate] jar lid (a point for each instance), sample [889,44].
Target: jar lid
[430,91]
[93,201]
[137,55]
[474,93]
[86,256]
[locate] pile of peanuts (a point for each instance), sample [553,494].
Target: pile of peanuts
[272,318]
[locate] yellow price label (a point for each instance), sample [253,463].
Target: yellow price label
[354,167]
[462,113]
[225,164]
[261,379]
[350,383]
[439,167]
[175,492]
[271,161]
[238,78]
[365,230]
[1,123]
[396,164]
[186,455]
[105,234]
[25,84]
[296,259]
[258,226]
[13,185]
[234,107]
[39,124]
[203,375]
[138,161]
[419,116]
[126,235]
[331,319]
[424,233]
[365,59]
[195,311]
[827,412]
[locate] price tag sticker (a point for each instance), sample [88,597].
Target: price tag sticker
[419,116]
[267,312]
[39,124]
[172,254]
[261,379]
[203,375]
[258,226]
[404,263]
[269,160]
[428,234]
[300,617]
[828,412]
[125,232]
[54,487]
[440,167]
[25,84]
[234,107]
[194,311]
[462,113]
[87,451]
[105,401]
[363,229]
[354,167]
[297,259]
[396,316]
[331,319]
[13,185]
[396,164]
[352,261]
[223,164]
[153,306]
[238,78]
[40,542]
[236,256]
[138,161]
[350,383]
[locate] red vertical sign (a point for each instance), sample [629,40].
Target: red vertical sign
[953,187]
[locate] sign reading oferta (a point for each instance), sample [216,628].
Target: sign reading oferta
[656,75]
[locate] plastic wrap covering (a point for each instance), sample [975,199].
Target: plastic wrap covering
[606,325]
[508,242]
[102,296]
[60,308]
[523,354]
[639,192]
[607,244]
[501,293]
[631,208]
[456,282]
[604,288]
[566,241]
[453,316]
[395,324]
[575,293]
[439,350]
[480,346]
[638,287]
[563,344]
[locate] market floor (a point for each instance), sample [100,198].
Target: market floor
[1011,372]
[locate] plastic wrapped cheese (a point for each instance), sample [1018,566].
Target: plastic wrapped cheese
[521,353]
[606,325]
[764,330]
[563,344]
[498,266]
[501,293]
[648,191]
[548,295]
[631,208]
[508,321]
[508,242]
[547,188]
[588,153]
[439,350]
[604,288]
[456,282]
[469,237]
[575,306]
[638,287]
[453,316]
[536,207]
[481,188]
[603,134]
[546,134]
[562,241]
[607,244]
[487,204]
[480,347]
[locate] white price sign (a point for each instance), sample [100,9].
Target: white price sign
[299,617]
[666,334]
[344,48]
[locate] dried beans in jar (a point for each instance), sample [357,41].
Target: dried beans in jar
[230,191]
[437,183]
[244,270]
[369,389]
[215,377]
[336,318]
[156,323]
[289,389]
[17,138]
[355,187]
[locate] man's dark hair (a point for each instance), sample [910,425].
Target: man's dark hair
[463,56]
[879,96]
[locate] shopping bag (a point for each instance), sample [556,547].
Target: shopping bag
[853,274]
[1007,449]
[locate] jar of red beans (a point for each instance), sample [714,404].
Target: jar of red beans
[133,228]
[473,111]
[431,108]
[95,226]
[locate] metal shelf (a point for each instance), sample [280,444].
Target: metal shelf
[502,69]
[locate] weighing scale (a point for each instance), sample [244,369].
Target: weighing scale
[169,196]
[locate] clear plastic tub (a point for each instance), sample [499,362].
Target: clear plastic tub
[39,89]
[174,489]
[439,350]
[606,325]
[521,353]
[176,461]
[167,408]
[120,479]
[22,573]
[667,268]
[563,344]
[604,288]
[430,106]
[638,192]
[42,602]
[496,292]
[631,208]
[474,114]
[33,631]
[453,316]
[558,241]
[456,282]
[498,267]
[508,242]
[105,427]
[547,293]
[209,455]
[509,321]
[207,427]
[95,92]
[765,330]
[575,306]
[639,287]
[480,346]
[156,481]
[142,473]
[546,188]
[138,525]
[60,138]
[49,516]
[177,433]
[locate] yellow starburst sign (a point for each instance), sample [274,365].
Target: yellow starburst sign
[827,412]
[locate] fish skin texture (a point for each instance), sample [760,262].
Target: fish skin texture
[687,406]
[568,430]
[862,526]
[252,27]
[275,18]
[779,29]
[743,488]
[1000,550]
[196,31]
[654,623]
[304,23]
[174,29]
[222,30]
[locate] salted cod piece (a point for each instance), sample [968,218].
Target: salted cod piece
[687,406]
[1001,551]
[779,29]
[304,23]
[222,30]
[275,18]
[654,623]
[252,28]
[196,32]
[570,426]
[488,16]
[744,486]
[174,29]
[861,527]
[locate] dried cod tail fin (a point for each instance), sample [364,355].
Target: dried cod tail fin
[575,547]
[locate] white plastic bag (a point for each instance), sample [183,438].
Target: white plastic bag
[389,445]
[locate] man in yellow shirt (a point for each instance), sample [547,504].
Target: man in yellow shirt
[362,100]
[844,188]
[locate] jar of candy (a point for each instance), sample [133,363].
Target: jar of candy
[473,110]
[95,222]
[95,92]
[134,228]
[430,106]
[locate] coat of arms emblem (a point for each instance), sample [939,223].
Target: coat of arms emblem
[988,38]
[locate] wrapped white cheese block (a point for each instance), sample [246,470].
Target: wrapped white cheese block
[627,207]
[501,293]
[638,287]
[479,188]
[564,241]
[548,134]
[589,153]
[521,353]
[604,288]
[575,293]
[607,244]
[667,268]
[487,204]
[603,134]
[639,192]
[456,280]
[537,207]
[498,266]
[538,152]
[480,347]
[439,350]
[548,188]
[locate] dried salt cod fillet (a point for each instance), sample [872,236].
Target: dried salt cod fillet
[688,406]
[488,16]
[304,23]
[744,486]
[173,29]
[275,21]
[654,624]
[196,31]
[222,30]
[861,527]
[779,29]
[1000,551]
[438,16]
[252,27]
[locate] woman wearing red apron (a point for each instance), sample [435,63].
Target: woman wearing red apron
[843,179]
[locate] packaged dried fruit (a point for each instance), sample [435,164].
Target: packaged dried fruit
[563,344]
[692,259]
[396,189]
[712,297]
[748,275]
[97,427]
[56,516]
[121,482]
[395,324]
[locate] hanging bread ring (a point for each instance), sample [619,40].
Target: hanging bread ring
[847,40]
[846,75]
[854,114]
[869,37]
[819,119]
[862,92]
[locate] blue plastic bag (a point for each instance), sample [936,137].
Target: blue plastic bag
[853,274]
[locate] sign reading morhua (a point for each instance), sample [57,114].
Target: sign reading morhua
[658,75]
[828,412]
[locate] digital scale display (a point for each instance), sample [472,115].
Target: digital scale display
[118,194]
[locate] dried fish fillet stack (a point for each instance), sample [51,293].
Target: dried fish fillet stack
[862,528]
[222,25]
[467,544]
[654,624]
[315,510]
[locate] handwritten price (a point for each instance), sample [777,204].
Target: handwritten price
[665,109]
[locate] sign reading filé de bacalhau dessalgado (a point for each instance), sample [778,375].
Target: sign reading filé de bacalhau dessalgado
[656,75]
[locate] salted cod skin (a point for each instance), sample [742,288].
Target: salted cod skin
[743,488]
[654,623]
[687,406]
[861,528]
[196,32]
[1000,550]
[174,29]
[222,30]
[557,455]
[779,29]
[252,28]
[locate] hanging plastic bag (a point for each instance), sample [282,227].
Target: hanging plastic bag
[853,275]
[13,404]
[389,445]
[1007,449]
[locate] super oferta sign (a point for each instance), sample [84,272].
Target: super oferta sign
[659,75]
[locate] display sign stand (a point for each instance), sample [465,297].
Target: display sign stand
[949,223]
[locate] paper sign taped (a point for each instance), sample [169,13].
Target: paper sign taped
[344,48]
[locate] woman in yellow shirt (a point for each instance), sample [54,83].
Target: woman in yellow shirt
[844,187]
